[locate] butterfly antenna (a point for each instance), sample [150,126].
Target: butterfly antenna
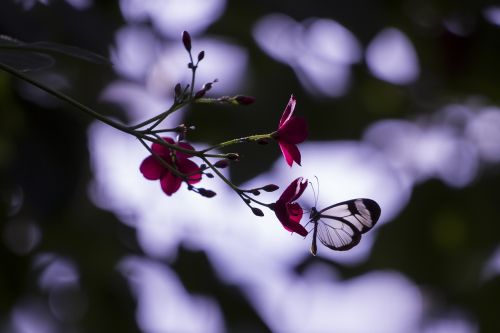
[316,194]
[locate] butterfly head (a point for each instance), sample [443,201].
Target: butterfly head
[313,213]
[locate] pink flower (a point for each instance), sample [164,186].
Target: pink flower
[153,169]
[291,131]
[287,210]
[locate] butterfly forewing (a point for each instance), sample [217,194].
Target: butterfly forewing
[339,227]
[361,213]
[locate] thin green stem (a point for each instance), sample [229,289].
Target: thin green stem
[255,137]
[218,173]
[235,188]
[65,98]
[160,117]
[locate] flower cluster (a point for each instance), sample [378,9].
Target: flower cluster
[172,161]
[170,167]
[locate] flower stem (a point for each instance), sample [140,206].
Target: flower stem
[65,98]
[250,138]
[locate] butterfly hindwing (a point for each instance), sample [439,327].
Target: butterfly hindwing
[337,235]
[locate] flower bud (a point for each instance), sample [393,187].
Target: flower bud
[200,94]
[207,193]
[244,100]
[233,156]
[263,142]
[270,188]
[207,86]
[178,90]
[255,192]
[201,55]
[186,40]
[257,211]
[221,164]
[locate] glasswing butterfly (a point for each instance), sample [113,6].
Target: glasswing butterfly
[340,226]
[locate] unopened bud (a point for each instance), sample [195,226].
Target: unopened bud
[186,40]
[177,89]
[255,192]
[207,86]
[221,164]
[244,100]
[209,175]
[207,193]
[200,94]
[270,188]
[257,211]
[233,156]
[263,142]
[201,55]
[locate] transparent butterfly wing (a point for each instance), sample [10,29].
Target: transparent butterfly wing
[337,234]
[340,226]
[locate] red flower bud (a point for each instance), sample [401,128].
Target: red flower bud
[221,164]
[201,55]
[244,100]
[233,156]
[186,40]
[270,188]
[200,94]
[263,142]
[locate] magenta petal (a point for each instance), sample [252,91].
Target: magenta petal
[298,228]
[151,168]
[170,183]
[290,152]
[281,212]
[190,169]
[294,130]
[295,212]
[159,149]
[181,155]
[293,191]
[288,110]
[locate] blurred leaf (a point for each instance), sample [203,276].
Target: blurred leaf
[33,56]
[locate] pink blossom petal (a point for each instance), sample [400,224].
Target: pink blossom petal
[180,155]
[290,152]
[298,228]
[293,131]
[295,212]
[162,150]
[151,168]
[293,191]
[288,110]
[189,168]
[170,183]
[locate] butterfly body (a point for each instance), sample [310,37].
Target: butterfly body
[340,226]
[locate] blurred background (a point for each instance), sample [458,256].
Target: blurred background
[402,100]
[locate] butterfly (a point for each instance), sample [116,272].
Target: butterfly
[340,226]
